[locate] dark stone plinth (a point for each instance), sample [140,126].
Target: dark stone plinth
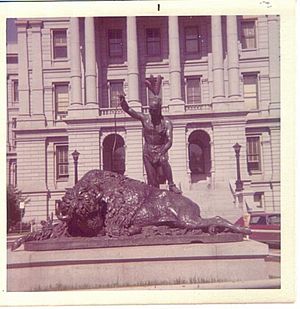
[136,240]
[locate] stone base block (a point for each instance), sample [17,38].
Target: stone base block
[136,266]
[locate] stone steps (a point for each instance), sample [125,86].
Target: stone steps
[214,201]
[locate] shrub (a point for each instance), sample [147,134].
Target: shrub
[13,210]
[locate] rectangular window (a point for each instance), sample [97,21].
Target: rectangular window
[191,40]
[248,35]
[258,199]
[61,100]
[60,50]
[153,43]
[150,95]
[62,163]
[13,135]
[193,90]
[250,91]
[15,91]
[115,89]
[12,59]
[253,154]
[115,43]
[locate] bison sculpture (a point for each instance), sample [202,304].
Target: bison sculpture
[108,204]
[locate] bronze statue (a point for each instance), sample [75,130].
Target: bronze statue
[158,137]
[107,204]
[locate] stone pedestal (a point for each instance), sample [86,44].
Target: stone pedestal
[136,266]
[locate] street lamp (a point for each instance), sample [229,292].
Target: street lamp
[238,183]
[75,155]
[22,212]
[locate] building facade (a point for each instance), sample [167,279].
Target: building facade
[221,86]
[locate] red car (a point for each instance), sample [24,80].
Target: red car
[265,227]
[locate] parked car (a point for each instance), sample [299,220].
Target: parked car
[265,227]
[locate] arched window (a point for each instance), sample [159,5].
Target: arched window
[199,155]
[196,158]
[114,154]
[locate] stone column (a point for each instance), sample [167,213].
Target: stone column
[76,91]
[233,58]
[37,98]
[174,66]
[90,63]
[24,109]
[274,64]
[217,55]
[132,60]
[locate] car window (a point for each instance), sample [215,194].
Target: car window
[274,219]
[258,220]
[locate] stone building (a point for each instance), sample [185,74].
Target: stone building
[221,86]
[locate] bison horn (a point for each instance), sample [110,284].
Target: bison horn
[59,215]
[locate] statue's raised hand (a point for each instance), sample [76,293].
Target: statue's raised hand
[123,103]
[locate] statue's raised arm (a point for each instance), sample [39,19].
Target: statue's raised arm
[130,111]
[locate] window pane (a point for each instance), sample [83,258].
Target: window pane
[60,44]
[11,59]
[153,42]
[192,46]
[60,37]
[62,161]
[191,40]
[196,159]
[248,34]
[61,99]
[151,95]
[115,44]
[60,52]
[15,91]
[253,154]
[193,91]
[274,219]
[116,89]
[191,33]
[250,91]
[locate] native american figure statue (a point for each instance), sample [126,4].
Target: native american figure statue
[158,136]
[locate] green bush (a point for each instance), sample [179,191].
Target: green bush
[13,210]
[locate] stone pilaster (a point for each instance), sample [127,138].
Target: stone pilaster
[37,88]
[233,58]
[217,55]
[90,66]
[176,105]
[274,64]
[76,91]
[275,148]
[24,108]
[133,69]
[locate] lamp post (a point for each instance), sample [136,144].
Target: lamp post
[75,155]
[22,211]
[238,183]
